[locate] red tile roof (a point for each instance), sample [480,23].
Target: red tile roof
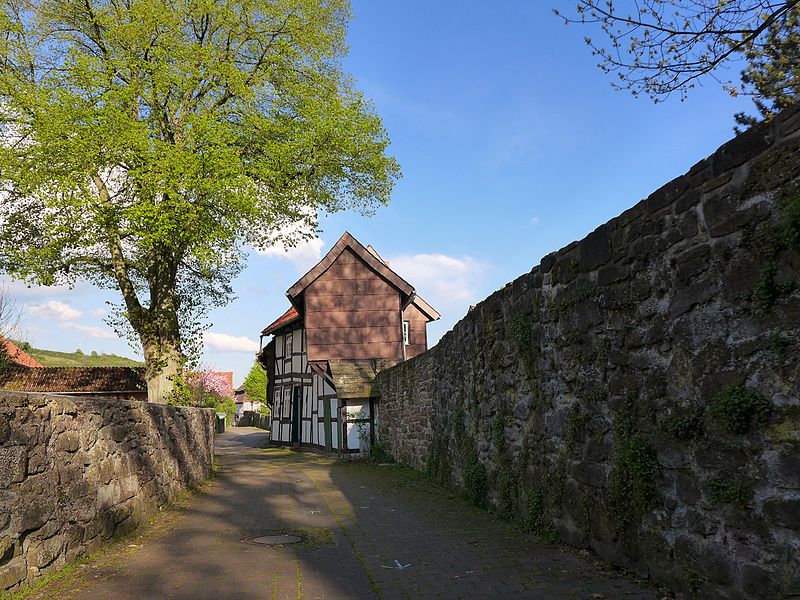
[18,355]
[73,379]
[289,316]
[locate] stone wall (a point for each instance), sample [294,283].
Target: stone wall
[76,472]
[637,392]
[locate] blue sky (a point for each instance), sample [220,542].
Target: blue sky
[512,145]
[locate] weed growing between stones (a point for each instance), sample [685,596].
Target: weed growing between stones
[737,407]
[577,421]
[785,235]
[519,330]
[780,345]
[560,306]
[438,464]
[635,471]
[767,291]
[474,476]
[520,333]
[531,518]
[731,490]
[686,424]
[694,582]
[505,484]
[602,349]
[314,538]
[379,454]
[789,227]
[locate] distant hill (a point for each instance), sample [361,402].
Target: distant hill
[51,358]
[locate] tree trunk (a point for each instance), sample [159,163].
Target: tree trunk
[163,363]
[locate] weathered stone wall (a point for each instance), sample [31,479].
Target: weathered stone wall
[637,392]
[76,472]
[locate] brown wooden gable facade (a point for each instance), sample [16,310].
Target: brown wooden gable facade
[351,315]
[351,312]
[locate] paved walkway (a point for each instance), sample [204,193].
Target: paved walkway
[371,532]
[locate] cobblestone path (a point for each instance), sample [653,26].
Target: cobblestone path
[370,532]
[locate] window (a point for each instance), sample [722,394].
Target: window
[406,329]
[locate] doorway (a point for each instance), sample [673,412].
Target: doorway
[297,401]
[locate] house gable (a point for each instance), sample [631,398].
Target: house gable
[352,312]
[417,330]
[371,259]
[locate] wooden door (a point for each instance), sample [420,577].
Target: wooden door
[326,405]
[297,401]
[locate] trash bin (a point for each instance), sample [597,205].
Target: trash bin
[220,422]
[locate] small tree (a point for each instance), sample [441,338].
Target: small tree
[204,389]
[255,384]
[206,386]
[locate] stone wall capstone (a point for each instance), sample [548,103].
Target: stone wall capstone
[76,472]
[638,392]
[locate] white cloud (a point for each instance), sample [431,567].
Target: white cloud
[53,310]
[95,332]
[442,280]
[99,312]
[20,289]
[223,342]
[306,252]
[303,256]
[534,220]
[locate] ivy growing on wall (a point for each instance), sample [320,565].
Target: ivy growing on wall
[737,407]
[731,490]
[633,487]
[685,424]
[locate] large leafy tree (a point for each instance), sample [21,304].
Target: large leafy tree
[661,47]
[146,143]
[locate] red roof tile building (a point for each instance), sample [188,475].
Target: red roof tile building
[18,355]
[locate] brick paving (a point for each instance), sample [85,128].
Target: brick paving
[358,519]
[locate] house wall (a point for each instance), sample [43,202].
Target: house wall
[292,370]
[638,392]
[75,472]
[352,313]
[418,331]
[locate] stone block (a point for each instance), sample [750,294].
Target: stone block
[5,428]
[742,148]
[594,250]
[13,573]
[13,460]
[68,442]
[32,514]
[761,582]
[591,474]
[784,512]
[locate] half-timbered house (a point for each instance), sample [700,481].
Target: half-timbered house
[350,317]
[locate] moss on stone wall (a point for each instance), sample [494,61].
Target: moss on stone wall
[633,489]
[737,408]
